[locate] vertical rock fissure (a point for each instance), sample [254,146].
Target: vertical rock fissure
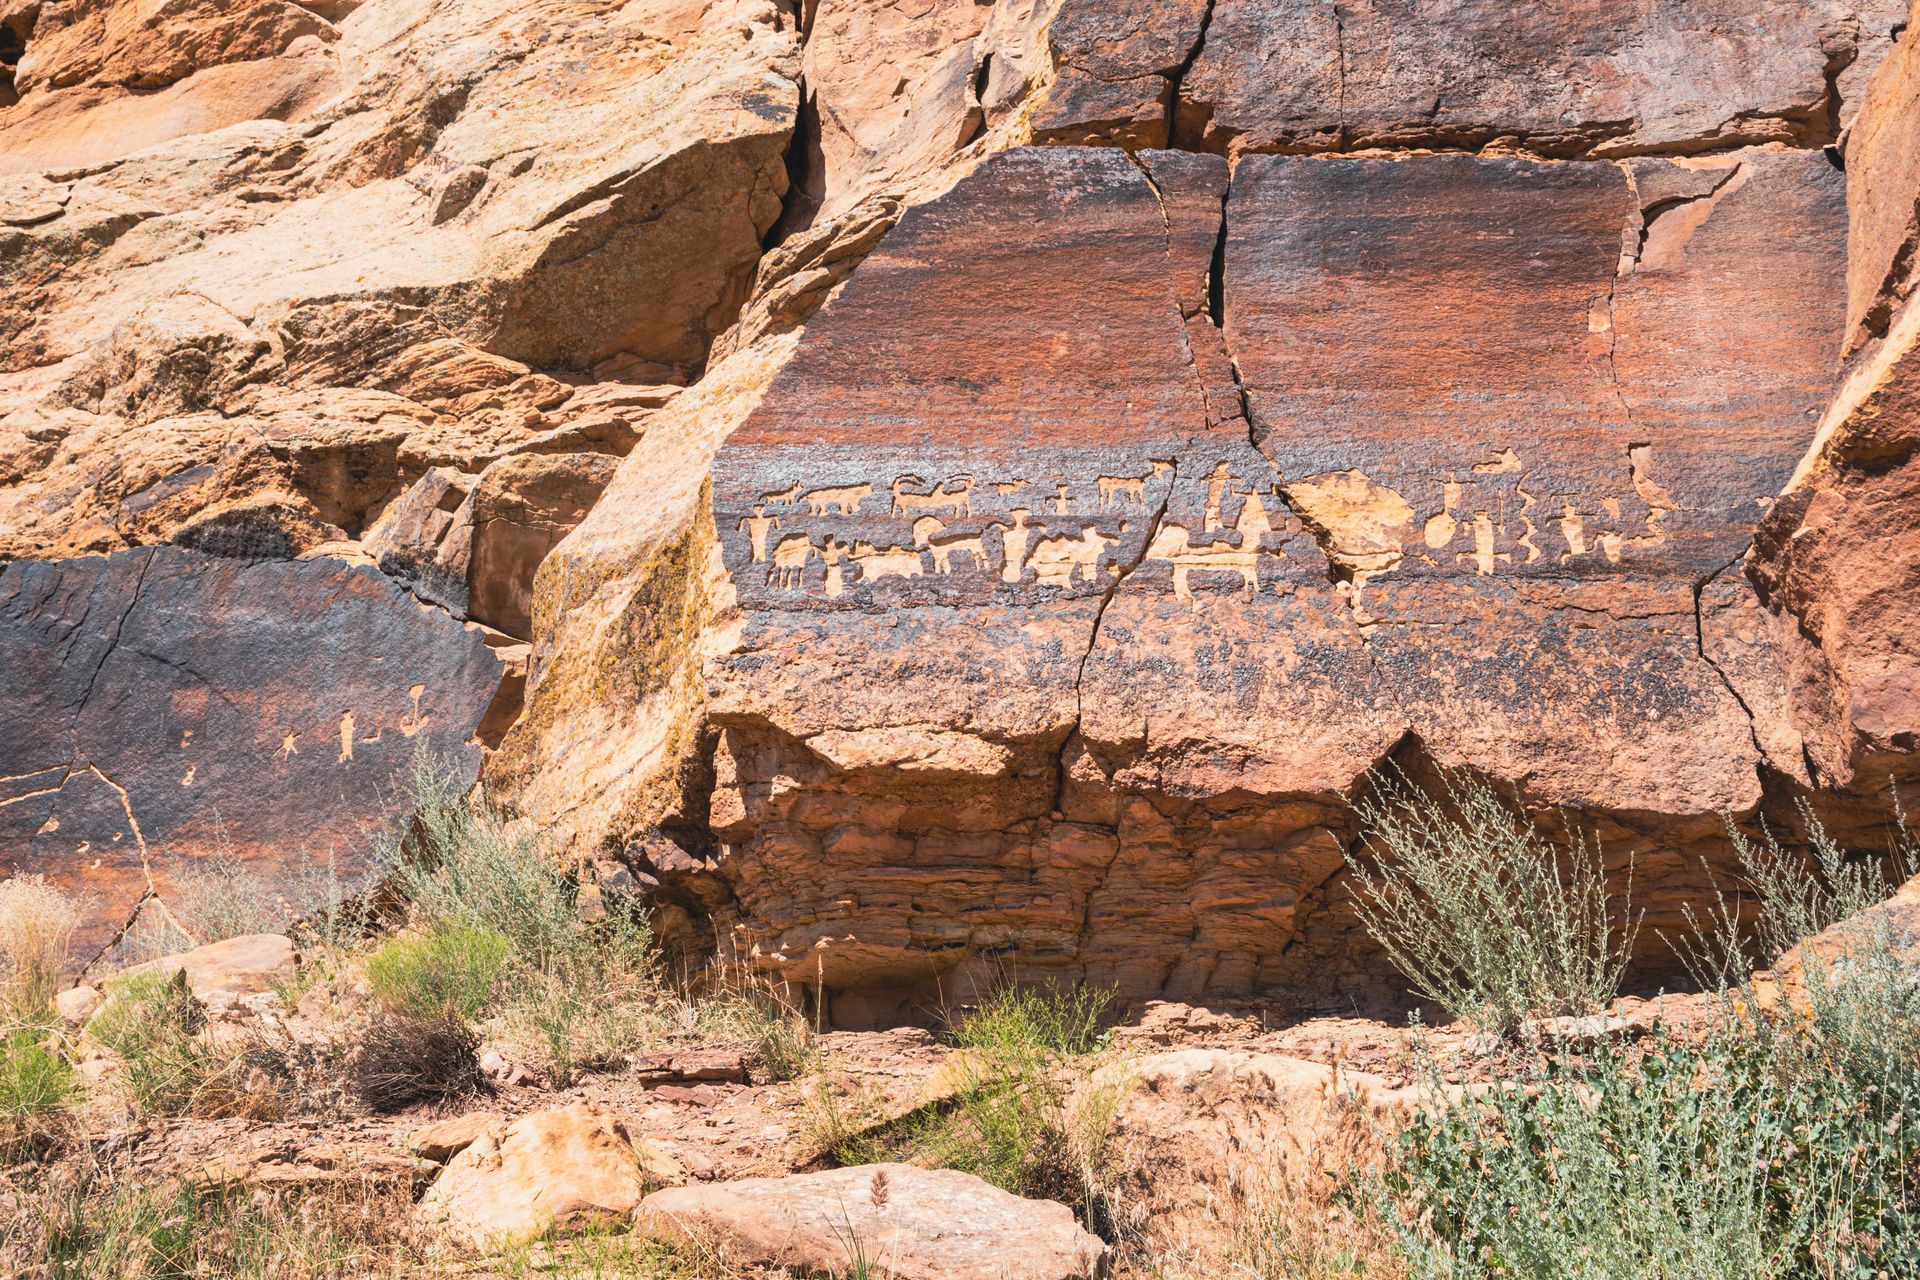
[1700,647]
[1178,79]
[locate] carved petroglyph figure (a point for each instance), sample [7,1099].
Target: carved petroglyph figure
[1172,543]
[1659,503]
[757,526]
[1125,490]
[1483,554]
[289,746]
[956,498]
[886,562]
[1441,526]
[1055,560]
[415,721]
[846,498]
[346,736]
[1218,481]
[790,561]
[1527,504]
[1502,461]
[1252,524]
[1062,502]
[1013,556]
[789,496]
[925,527]
[1007,488]
[832,553]
[972,544]
[1573,527]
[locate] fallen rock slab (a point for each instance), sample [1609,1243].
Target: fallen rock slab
[444,1139]
[251,963]
[568,1167]
[911,1223]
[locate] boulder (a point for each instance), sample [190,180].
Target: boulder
[546,1171]
[908,1222]
[442,1140]
[174,706]
[255,962]
[76,1004]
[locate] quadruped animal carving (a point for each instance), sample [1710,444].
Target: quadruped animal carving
[846,498]
[955,498]
[790,561]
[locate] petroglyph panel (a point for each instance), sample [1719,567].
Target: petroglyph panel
[165,706]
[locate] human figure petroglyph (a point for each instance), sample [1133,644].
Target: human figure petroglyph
[1527,504]
[1218,482]
[757,526]
[289,746]
[1124,490]
[346,736]
[1441,526]
[846,497]
[790,561]
[415,721]
[1062,501]
[1573,528]
[1252,524]
[886,562]
[955,498]
[1013,546]
[831,554]
[1055,560]
[1483,555]
[789,496]
[1659,502]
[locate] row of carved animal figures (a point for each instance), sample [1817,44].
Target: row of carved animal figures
[955,497]
[1055,560]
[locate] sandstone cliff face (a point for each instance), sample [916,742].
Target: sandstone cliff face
[984,483]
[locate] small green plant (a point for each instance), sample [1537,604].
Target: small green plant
[1479,911]
[220,897]
[451,972]
[152,1022]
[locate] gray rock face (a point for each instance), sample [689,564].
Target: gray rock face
[165,707]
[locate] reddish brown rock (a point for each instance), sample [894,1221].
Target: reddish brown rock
[1599,77]
[170,706]
[1035,652]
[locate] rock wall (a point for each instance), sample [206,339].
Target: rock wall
[983,483]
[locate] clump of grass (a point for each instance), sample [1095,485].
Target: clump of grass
[37,922]
[154,1024]
[1482,914]
[449,973]
[94,1228]
[752,1014]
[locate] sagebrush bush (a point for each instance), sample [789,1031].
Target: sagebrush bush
[462,863]
[1480,912]
[451,972]
[220,897]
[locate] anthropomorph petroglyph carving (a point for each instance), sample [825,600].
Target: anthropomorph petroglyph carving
[1013,544]
[346,736]
[757,526]
[1441,526]
[1062,501]
[886,562]
[1130,490]
[790,561]
[789,496]
[1055,560]
[832,553]
[415,721]
[846,498]
[1218,481]
[955,498]
[1483,554]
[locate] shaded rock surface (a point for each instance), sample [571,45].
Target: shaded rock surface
[917,1224]
[167,706]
